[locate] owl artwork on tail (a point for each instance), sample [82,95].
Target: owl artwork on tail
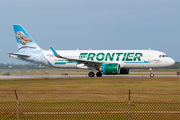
[23,39]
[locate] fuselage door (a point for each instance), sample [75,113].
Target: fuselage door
[150,57]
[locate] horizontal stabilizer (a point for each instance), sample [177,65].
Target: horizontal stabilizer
[18,54]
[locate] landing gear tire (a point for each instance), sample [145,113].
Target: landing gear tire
[99,74]
[151,75]
[91,74]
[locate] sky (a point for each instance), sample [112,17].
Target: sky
[95,24]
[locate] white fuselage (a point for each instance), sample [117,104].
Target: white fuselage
[126,58]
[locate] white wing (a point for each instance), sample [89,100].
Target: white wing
[86,62]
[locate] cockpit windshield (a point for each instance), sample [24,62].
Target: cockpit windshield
[163,56]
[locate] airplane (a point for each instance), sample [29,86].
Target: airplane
[106,62]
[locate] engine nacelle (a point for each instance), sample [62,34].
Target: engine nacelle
[111,68]
[124,71]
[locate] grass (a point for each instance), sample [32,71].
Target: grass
[91,89]
[91,94]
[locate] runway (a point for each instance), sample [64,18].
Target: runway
[73,76]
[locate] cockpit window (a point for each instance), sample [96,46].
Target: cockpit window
[163,56]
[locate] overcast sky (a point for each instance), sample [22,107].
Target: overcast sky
[95,24]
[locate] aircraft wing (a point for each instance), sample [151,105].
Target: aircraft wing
[19,54]
[88,62]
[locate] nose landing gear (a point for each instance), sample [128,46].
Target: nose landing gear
[151,74]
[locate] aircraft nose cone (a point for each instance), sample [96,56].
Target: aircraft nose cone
[172,62]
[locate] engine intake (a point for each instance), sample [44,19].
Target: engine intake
[111,68]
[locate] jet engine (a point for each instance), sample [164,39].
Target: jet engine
[111,68]
[124,71]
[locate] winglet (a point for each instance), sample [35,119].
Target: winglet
[54,52]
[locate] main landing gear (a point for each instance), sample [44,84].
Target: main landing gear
[151,74]
[91,74]
[98,74]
